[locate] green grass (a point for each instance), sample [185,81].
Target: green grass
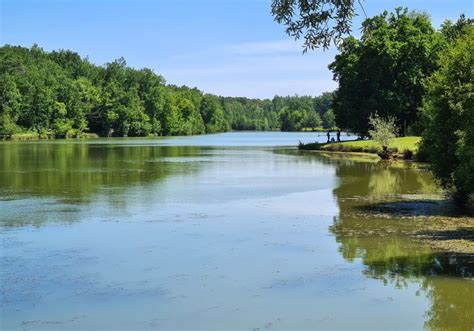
[25,136]
[369,146]
[318,129]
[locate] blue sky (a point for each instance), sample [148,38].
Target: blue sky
[226,47]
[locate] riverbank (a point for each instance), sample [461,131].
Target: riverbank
[426,215]
[36,136]
[431,220]
[28,136]
[402,147]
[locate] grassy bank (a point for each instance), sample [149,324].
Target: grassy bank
[406,147]
[36,136]
[319,129]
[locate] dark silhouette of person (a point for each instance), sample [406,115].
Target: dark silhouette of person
[338,135]
[329,136]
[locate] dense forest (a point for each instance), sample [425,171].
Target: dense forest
[61,94]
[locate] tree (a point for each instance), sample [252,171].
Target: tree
[171,120]
[192,120]
[151,90]
[212,114]
[384,70]
[382,130]
[319,22]
[451,31]
[448,140]
[10,99]
[323,102]
[292,120]
[312,120]
[329,119]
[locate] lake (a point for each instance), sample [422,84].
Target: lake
[227,231]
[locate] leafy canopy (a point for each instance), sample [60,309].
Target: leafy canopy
[318,22]
[383,71]
[448,140]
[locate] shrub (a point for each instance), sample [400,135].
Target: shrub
[309,146]
[407,154]
[373,150]
[382,130]
[422,154]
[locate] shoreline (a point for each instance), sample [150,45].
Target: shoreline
[33,136]
[442,231]
[341,153]
[401,148]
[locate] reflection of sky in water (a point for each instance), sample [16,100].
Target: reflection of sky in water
[208,238]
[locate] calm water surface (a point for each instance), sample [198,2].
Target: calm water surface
[226,231]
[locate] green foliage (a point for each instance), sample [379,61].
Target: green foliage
[292,120]
[10,100]
[61,94]
[309,146]
[451,31]
[319,22]
[290,113]
[297,113]
[312,120]
[384,71]
[329,119]
[212,114]
[250,114]
[448,140]
[382,130]
[407,154]
[371,146]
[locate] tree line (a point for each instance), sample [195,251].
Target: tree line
[61,94]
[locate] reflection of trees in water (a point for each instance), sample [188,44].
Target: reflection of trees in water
[56,178]
[451,308]
[383,182]
[72,170]
[392,257]
[376,179]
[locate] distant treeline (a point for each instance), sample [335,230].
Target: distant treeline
[63,95]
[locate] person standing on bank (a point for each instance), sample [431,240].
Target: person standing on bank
[329,136]
[339,135]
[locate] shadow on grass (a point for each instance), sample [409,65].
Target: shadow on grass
[418,207]
[440,224]
[462,233]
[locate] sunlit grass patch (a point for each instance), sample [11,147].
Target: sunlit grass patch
[401,145]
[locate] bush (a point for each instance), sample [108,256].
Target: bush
[373,150]
[309,146]
[382,130]
[421,155]
[407,154]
